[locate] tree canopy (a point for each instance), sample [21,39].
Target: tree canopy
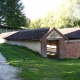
[11,13]
[65,15]
[36,23]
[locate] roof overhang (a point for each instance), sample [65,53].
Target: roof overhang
[50,30]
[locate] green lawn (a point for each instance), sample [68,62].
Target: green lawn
[35,67]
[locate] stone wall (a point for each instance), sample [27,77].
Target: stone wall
[33,45]
[2,41]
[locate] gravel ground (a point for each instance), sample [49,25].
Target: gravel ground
[8,72]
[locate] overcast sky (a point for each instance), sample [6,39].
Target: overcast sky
[37,8]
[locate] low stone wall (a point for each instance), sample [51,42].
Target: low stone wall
[2,41]
[73,49]
[33,45]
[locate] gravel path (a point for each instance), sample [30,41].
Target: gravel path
[7,72]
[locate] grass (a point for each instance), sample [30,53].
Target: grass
[35,67]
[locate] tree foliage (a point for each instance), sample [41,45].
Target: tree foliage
[65,15]
[28,22]
[11,13]
[36,23]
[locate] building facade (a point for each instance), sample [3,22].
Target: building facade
[54,43]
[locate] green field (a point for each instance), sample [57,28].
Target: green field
[35,67]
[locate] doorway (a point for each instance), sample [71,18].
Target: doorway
[53,49]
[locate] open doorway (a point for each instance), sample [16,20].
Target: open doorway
[53,49]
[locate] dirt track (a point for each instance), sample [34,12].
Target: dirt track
[7,72]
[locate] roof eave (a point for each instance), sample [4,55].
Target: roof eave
[50,30]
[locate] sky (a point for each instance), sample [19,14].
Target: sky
[37,8]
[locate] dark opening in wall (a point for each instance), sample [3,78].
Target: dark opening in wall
[52,49]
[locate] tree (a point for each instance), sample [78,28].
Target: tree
[11,13]
[47,21]
[36,23]
[66,15]
[28,22]
[2,21]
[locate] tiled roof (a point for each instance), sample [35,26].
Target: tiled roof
[36,34]
[71,33]
[6,34]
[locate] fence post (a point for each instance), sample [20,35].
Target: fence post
[6,29]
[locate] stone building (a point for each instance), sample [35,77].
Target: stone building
[49,42]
